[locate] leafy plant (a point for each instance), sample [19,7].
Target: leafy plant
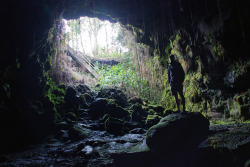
[124,77]
[56,99]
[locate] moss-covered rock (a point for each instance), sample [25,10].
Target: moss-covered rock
[152,120]
[239,106]
[138,114]
[71,116]
[102,106]
[87,97]
[111,93]
[85,100]
[82,88]
[113,125]
[129,125]
[178,132]
[135,100]
[158,109]
[116,111]
[76,132]
[98,107]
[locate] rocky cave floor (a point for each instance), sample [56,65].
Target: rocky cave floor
[104,149]
[226,145]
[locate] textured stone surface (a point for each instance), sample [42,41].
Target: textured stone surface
[178,132]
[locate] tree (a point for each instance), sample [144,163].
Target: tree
[94,27]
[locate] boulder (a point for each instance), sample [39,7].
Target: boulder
[138,114]
[178,132]
[158,109]
[111,93]
[71,99]
[71,116]
[98,107]
[130,125]
[82,88]
[240,106]
[76,132]
[87,97]
[152,120]
[113,125]
[135,100]
[116,111]
[85,100]
[102,106]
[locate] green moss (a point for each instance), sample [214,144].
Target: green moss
[247,121]
[107,122]
[71,116]
[192,92]
[152,120]
[221,122]
[168,49]
[217,49]
[167,99]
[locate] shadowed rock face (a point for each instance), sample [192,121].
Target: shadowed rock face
[178,132]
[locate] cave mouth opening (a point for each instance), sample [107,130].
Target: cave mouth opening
[89,47]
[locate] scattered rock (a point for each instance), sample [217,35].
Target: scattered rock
[102,106]
[137,131]
[113,125]
[63,125]
[116,111]
[67,153]
[129,125]
[178,132]
[82,88]
[158,109]
[87,97]
[77,133]
[87,150]
[71,99]
[62,135]
[111,93]
[98,107]
[138,114]
[71,116]
[135,100]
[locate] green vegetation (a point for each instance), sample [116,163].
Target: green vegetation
[54,93]
[192,91]
[121,76]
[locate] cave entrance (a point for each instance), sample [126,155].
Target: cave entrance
[89,45]
[110,55]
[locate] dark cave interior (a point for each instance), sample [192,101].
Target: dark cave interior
[210,38]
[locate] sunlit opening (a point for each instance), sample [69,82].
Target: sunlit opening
[94,37]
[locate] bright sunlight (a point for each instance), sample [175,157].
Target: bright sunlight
[94,37]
